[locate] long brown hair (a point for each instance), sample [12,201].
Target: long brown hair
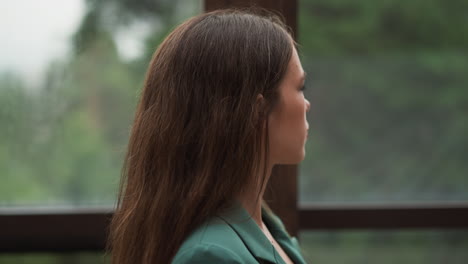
[198,130]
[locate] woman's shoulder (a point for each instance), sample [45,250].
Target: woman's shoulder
[213,242]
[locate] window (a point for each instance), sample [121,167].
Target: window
[412,247]
[47,258]
[387,85]
[386,88]
[69,79]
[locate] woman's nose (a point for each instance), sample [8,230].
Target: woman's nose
[307,105]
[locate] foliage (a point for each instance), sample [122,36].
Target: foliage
[64,142]
[362,247]
[388,92]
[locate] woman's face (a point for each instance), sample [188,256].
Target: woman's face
[288,127]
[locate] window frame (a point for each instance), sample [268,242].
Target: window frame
[81,229]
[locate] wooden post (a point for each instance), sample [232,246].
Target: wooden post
[281,193]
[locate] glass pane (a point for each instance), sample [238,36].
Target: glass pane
[387,82]
[49,258]
[403,247]
[69,77]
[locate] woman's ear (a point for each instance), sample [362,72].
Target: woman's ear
[260,100]
[259,108]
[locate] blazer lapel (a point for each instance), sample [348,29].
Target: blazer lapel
[249,232]
[288,243]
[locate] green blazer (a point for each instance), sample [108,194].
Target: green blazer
[234,237]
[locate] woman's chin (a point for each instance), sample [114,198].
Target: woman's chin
[294,160]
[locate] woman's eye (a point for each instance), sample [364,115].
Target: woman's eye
[304,84]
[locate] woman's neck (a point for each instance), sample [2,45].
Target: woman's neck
[251,199]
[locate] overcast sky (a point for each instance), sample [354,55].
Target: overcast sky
[34,32]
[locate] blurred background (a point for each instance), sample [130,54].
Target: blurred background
[387,82]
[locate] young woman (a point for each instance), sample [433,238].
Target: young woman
[221,105]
